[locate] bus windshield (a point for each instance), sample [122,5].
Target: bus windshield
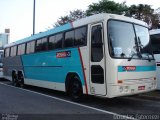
[128,40]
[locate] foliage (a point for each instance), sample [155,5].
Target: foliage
[144,12]
[107,6]
[73,15]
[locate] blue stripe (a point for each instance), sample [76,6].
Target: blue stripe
[55,69]
[138,69]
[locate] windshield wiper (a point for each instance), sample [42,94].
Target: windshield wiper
[137,54]
[139,43]
[129,59]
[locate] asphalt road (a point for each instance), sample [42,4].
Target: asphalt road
[49,103]
[21,104]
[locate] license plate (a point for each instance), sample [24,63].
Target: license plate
[141,87]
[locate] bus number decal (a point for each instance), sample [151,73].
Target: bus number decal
[63,54]
[129,68]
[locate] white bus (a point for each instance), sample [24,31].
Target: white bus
[103,55]
[155,41]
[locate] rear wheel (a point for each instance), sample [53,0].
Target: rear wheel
[21,80]
[76,89]
[14,79]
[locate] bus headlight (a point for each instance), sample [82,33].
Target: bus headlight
[123,88]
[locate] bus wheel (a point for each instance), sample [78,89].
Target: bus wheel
[76,89]
[14,79]
[21,80]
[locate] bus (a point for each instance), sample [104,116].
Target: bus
[103,55]
[155,41]
[1,63]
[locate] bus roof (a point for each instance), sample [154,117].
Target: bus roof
[154,31]
[78,23]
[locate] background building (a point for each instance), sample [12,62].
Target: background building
[4,38]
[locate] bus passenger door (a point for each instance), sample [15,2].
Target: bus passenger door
[97,60]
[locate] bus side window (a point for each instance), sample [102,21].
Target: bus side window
[41,45]
[19,49]
[13,51]
[58,41]
[7,51]
[51,43]
[80,36]
[55,41]
[96,44]
[30,47]
[155,41]
[69,39]
[38,46]
[23,47]
[44,43]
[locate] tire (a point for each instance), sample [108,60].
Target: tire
[76,91]
[14,80]
[21,81]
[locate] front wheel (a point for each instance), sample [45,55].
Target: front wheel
[76,90]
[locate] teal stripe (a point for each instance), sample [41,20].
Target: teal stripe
[138,69]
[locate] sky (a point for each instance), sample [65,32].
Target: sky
[17,15]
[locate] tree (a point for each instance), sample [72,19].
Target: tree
[157,12]
[73,15]
[107,6]
[145,13]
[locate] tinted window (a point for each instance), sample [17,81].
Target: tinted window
[80,36]
[44,44]
[69,39]
[96,44]
[59,38]
[38,45]
[155,41]
[97,74]
[41,45]
[51,44]
[30,47]
[21,49]
[7,52]
[13,51]
[55,41]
